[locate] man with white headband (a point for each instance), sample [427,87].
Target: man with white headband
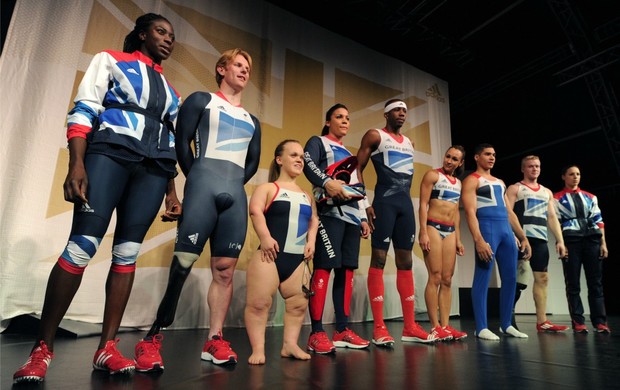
[391,219]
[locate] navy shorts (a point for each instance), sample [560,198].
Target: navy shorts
[394,222]
[540,255]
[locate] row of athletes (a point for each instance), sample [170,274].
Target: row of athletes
[123,154]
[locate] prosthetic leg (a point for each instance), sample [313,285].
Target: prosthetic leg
[168,306]
[523,276]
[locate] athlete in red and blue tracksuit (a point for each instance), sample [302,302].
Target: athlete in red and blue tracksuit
[583,232]
[337,244]
[122,159]
[130,156]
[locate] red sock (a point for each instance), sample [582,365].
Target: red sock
[348,290]
[404,285]
[320,279]
[375,294]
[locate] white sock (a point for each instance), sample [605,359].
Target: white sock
[512,331]
[486,334]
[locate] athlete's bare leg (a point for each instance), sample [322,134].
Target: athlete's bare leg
[220,292]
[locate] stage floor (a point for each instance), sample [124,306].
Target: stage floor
[543,361]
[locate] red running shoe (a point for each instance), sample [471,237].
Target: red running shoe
[441,334]
[110,359]
[35,368]
[602,328]
[550,327]
[417,335]
[218,351]
[318,342]
[381,337]
[456,334]
[579,328]
[348,339]
[147,356]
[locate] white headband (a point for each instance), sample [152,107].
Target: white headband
[394,105]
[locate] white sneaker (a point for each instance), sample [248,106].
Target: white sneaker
[486,334]
[512,331]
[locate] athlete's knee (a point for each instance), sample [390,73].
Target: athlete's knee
[320,279]
[377,263]
[509,278]
[378,258]
[258,304]
[223,270]
[125,253]
[434,278]
[78,253]
[296,305]
[404,265]
[404,261]
[541,278]
[186,259]
[446,280]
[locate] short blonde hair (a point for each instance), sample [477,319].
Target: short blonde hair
[227,57]
[528,158]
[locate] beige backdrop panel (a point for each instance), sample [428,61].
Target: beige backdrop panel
[299,71]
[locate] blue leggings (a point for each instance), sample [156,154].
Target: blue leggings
[502,240]
[134,189]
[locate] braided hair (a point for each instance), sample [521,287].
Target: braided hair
[132,40]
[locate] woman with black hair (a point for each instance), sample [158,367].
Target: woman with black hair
[342,222]
[121,157]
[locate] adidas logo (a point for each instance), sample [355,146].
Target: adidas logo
[222,108]
[434,93]
[284,195]
[378,298]
[133,71]
[193,238]
[410,298]
[86,208]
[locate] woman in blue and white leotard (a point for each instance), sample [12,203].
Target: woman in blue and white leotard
[285,220]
